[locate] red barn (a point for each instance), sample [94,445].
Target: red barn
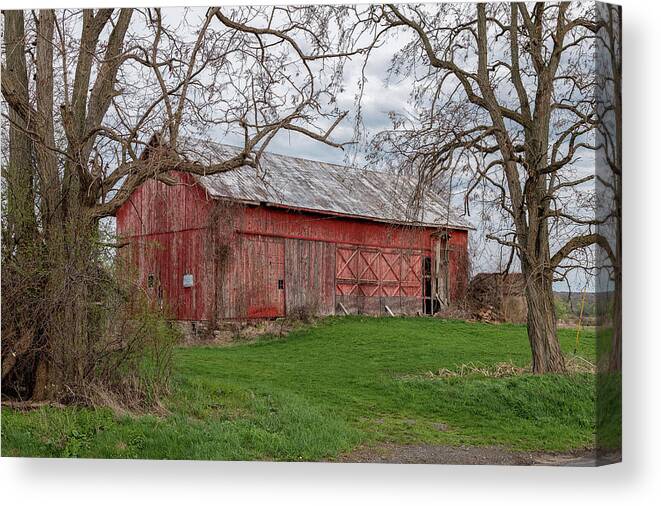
[295,236]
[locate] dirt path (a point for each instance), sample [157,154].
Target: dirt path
[490,455]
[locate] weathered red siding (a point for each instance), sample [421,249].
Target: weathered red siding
[156,207]
[269,220]
[248,280]
[167,226]
[167,257]
[252,261]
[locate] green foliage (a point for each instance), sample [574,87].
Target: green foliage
[149,366]
[76,318]
[325,389]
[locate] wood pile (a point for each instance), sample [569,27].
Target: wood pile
[495,297]
[487,314]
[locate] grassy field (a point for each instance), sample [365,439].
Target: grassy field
[327,389]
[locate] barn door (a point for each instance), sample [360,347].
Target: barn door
[440,273]
[429,303]
[264,276]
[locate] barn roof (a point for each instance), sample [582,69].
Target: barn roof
[323,187]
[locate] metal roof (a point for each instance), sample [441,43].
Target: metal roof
[322,187]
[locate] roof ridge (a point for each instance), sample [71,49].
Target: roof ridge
[272,153]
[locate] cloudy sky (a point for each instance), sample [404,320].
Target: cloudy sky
[380,98]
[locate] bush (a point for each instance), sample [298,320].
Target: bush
[133,357]
[78,328]
[136,373]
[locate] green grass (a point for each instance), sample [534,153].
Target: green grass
[326,389]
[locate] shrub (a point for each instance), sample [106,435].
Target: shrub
[77,328]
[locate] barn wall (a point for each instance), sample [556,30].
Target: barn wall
[370,278]
[319,227]
[175,230]
[377,305]
[166,226]
[157,208]
[314,247]
[166,258]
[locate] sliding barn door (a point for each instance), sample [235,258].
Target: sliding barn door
[264,276]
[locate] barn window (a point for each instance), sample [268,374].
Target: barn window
[188,280]
[150,281]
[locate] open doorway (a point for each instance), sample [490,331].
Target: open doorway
[427,296]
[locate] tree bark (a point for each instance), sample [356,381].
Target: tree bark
[71,268]
[44,385]
[615,359]
[546,353]
[19,171]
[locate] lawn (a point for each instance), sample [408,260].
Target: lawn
[326,389]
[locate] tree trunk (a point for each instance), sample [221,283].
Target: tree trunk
[19,172]
[45,386]
[546,353]
[61,347]
[615,359]
[71,274]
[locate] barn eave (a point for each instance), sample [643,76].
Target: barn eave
[422,224]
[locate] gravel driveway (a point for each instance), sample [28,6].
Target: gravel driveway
[471,455]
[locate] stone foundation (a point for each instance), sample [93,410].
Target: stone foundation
[192,331]
[232,331]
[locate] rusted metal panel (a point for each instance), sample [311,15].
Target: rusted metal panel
[322,187]
[309,277]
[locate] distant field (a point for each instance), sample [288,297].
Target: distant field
[329,388]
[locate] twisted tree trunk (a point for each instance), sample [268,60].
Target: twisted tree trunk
[546,353]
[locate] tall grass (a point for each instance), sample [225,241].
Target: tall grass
[328,388]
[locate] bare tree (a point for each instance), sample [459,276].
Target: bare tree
[506,93]
[97,102]
[609,167]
